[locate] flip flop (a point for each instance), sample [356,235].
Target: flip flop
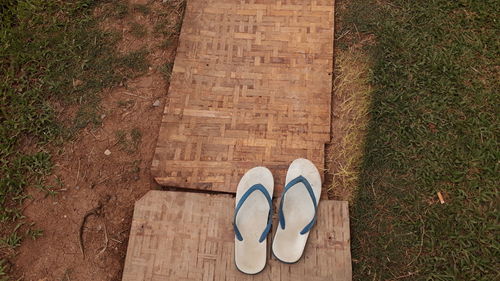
[297,210]
[252,220]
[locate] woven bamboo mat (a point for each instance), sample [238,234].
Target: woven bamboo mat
[186,236]
[251,85]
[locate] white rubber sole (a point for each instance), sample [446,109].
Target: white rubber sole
[250,256]
[298,210]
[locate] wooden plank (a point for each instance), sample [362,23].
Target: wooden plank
[251,86]
[189,236]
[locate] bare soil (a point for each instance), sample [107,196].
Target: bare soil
[89,179]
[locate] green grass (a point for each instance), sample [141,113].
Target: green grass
[52,56]
[129,142]
[34,233]
[433,128]
[3,270]
[13,240]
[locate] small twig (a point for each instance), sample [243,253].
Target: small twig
[106,240]
[373,190]
[125,114]
[116,240]
[95,137]
[90,155]
[29,203]
[77,173]
[66,276]
[113,145]
[357,31]
[345,33]
[130,94]
[103,180]
[404,276]
[94,211]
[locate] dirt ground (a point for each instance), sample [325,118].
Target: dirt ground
[99,187]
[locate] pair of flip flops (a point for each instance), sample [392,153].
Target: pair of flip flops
[253,215]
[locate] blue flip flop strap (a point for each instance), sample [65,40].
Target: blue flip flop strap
[262,189]
[299,179]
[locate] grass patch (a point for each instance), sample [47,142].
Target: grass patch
[53,55]
[11,241]
[129,142]
[166,70]
[166,43]
[433,128]
[138,30]
[34,233]
[133,63]
[115,9]
[125,103]
[171,22]
[3,270]
[143,9]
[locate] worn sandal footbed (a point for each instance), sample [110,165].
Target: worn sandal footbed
[297,210]
[252,220]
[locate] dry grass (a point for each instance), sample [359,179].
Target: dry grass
[351,102]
